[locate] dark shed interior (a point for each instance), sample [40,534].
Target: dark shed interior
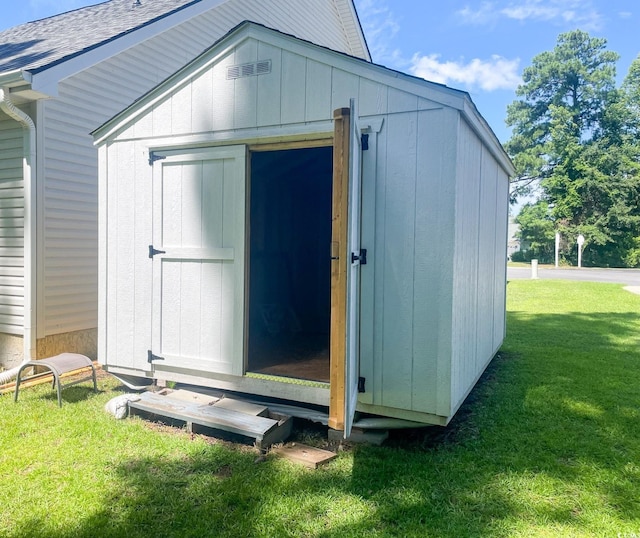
[289,263]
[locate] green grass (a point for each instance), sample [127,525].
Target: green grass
[548,444]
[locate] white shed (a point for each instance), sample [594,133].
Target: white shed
[284,220]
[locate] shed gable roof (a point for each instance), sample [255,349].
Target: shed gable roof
[38,45]
[430,91]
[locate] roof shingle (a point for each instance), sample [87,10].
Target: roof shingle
[38,45]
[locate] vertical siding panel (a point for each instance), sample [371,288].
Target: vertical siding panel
[400,101]
[143,292]
[380,192]
[246,88]
[213,199]
[486,259]
[500,274]
[111,310]
[466,264]
[125,268]
[181,106]
[373,97]
[103,251]
[191,217]
[222,107]
[293,97]
[162,115]
[433,260]
[345,86]
[269,105]
[143,127]
[318,98]
[201,92]
[399,255]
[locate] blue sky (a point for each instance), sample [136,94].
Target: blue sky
[481,46]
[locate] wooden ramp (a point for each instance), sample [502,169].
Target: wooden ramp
[219,414]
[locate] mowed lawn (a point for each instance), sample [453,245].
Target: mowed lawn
[548,444]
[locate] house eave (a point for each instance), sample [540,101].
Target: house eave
[16,77]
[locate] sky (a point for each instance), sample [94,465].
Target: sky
[480,46]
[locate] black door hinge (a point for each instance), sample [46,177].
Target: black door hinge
[154,251]
[364,142]
[362,256]
[361,381]
[153,157]
[151,357]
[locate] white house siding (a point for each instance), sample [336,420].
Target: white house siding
[11,226]
[479,262]
[68,271]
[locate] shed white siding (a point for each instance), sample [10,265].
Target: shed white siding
[68,262]
[479,267]
[434,203]
[11,226]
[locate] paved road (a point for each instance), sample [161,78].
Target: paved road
[630,277]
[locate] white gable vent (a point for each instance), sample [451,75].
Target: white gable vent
[249,70]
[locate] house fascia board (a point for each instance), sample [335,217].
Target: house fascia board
[46,81]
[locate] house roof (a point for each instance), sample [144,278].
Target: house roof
[38,45]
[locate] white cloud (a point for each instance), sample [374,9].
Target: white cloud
[380,26]
[572,12]
[486,13]
[498,73]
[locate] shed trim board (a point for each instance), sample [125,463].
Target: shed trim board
[434,179]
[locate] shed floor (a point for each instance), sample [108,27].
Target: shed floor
[302,356]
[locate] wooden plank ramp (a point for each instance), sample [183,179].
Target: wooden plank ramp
[221,414]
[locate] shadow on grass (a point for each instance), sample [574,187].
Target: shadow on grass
[548,440]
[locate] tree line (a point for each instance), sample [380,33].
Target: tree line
[576,138]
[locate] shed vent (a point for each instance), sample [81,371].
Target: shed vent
[249,70]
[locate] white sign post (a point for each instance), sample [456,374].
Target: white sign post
[557,248]
[534,269]
[580,243]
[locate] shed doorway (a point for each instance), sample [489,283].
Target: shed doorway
[289,302]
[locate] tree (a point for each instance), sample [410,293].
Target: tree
[537,229]
[577,134]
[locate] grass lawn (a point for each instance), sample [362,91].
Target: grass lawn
[548,444]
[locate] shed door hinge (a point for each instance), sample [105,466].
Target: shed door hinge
[151,357]
[154,251]
[153,157]
[361,256]
[364,141]
[361,381]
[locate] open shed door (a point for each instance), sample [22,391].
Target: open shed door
[347,256]
[198,259]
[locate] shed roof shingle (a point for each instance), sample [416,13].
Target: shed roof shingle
[38,45]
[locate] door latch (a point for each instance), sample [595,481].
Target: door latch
[361,256]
